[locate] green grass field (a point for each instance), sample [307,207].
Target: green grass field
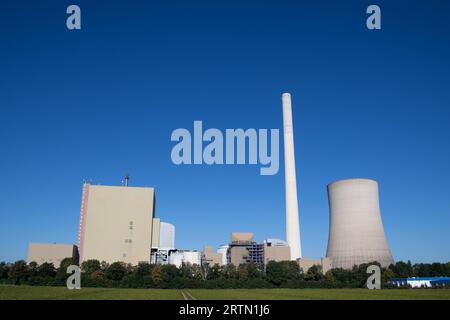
[57,293]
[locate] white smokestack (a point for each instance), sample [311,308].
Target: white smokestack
[292,223]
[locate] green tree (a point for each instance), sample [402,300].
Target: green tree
[33,269]
[143,269]
[215,272]
[18,273]
[422,270]
[4,269]
[170,274]
[116,271]
[437,269]
[143,273]
[242,272]
[65,263]
[314,273]
[282,272]
[157,276]
[386,275]
[230,271]
[343,277]
[46,270]
[187,271]
[98,275]
[329,276]
[403,270]
[254,270]
[90,266]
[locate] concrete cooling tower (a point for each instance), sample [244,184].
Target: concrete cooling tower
[356,230]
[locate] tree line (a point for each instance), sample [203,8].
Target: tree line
[284,274]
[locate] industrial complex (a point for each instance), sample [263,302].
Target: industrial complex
[119,223]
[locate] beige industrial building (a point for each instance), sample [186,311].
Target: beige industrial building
[324,263]
[51,253]
[244,249]
[117,224]
[276,250]
[211,257]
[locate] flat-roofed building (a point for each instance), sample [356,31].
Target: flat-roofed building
[223,251]
[324,263]
[166,235]
[51,253]
[276,250]
[116,223]
[211,257]
[244,249]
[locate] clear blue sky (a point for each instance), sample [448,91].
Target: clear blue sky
[102,101]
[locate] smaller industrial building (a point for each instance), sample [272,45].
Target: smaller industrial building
[51,253]
[244,249]
[180,257]
[324,263]
[276,250]
[428,282]
[213,258]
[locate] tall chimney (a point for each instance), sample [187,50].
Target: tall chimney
[292,223]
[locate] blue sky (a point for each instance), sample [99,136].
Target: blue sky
[104,100]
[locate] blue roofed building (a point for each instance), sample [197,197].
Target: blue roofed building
[425,282]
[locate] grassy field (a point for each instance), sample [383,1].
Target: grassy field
[56,293]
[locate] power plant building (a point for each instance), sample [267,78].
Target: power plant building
[325,264]
[117,223]
[356,234]
[223,252]
[244,249]
[179,257]
[212,258]
[276,250]
[51,253]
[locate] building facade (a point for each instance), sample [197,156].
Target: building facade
[325,264]
[244,249]
[212,258]
[276,250]
[117,224]
[51,253]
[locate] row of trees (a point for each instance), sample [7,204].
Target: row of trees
[285,274]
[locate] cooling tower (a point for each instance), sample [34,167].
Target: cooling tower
[356,230]
[292,223]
